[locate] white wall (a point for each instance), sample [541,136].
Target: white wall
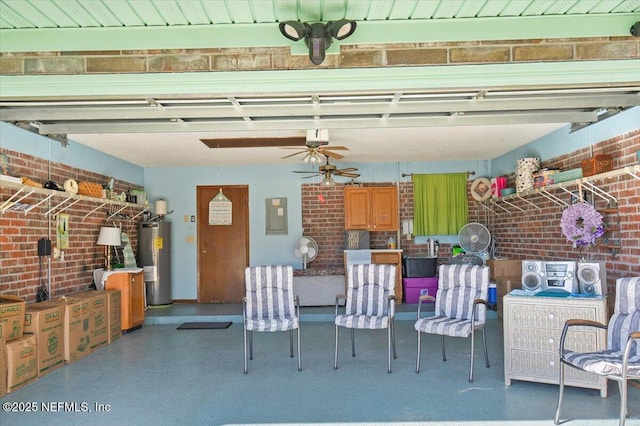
[74,154]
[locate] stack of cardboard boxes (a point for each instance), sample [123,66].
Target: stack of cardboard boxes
[506,274]
[37,338]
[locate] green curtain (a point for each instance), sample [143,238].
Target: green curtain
[439,203]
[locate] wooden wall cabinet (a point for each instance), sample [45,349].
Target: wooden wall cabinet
[131,286]
[373,208]
[391,257]
[532,328]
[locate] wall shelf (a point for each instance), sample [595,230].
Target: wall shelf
[62,201]
[506,204]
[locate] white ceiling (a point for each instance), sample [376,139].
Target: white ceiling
[365,145]
[468,128]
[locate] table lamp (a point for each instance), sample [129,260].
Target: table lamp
[108,237]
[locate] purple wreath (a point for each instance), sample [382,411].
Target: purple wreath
[582,224]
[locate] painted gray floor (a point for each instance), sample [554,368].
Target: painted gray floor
[158,375]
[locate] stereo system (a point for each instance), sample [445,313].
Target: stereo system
[588,278]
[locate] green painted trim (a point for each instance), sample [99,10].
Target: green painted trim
[324,80]
[268,35]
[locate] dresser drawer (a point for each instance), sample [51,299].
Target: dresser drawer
[548,316]
[545,367]
[385,258]
[548,340]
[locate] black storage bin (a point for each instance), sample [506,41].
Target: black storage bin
[419,267]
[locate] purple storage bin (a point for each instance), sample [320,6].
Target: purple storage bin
[413,288]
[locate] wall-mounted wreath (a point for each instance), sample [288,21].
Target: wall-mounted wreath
[582,224]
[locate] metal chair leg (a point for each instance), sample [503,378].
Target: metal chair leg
[389,348]
[556,420]
[444,354]
[418,357]
[393,338]
[299,351]
[246,362]
[472,356]
[353,342]
[291,343]
[250,344]
[335,356]
[622,384]
[484,343]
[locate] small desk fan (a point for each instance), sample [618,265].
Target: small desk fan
[473,238]
[307,250]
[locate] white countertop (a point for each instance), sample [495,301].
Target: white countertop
[100,275]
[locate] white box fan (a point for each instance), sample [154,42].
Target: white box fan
[306,250]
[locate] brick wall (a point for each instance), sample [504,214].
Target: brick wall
[20,232]
[531,233]
[351,56]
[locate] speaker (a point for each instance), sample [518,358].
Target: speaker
[635,29]
[592,278]
[532,275]
[44,247]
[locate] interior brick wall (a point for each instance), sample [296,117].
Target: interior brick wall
[19,262]
[533,233]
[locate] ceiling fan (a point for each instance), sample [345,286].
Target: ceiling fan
[327,170]
[314,151]
[316,147]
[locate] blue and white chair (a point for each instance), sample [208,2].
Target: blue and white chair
[621,360]
[370,304]
[460,307]
[269,305]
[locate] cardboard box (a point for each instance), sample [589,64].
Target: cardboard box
[98,313]
[3,369]
[413,288]
[11,317]
[77,329]
[113,315]
[504,286]
[45,320]
[22,362]
[501,268]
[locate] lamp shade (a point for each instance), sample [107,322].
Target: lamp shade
[109,236]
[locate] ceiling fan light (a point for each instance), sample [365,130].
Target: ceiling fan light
[313,157]
[327,181]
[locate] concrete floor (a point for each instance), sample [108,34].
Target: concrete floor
[158,375]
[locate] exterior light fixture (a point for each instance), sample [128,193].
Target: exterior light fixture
[317,36]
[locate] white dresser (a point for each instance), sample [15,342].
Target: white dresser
[532,329]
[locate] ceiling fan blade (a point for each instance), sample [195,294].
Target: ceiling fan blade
[347,174]
[347,169]
[332,154]
[305,171]
[291,155]
[335,147]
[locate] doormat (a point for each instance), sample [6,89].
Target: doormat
[204,325]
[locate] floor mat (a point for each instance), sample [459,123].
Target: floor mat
[204,325]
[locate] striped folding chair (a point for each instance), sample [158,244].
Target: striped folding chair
[460,307]
[621,360]
[269,305]
[369,304]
